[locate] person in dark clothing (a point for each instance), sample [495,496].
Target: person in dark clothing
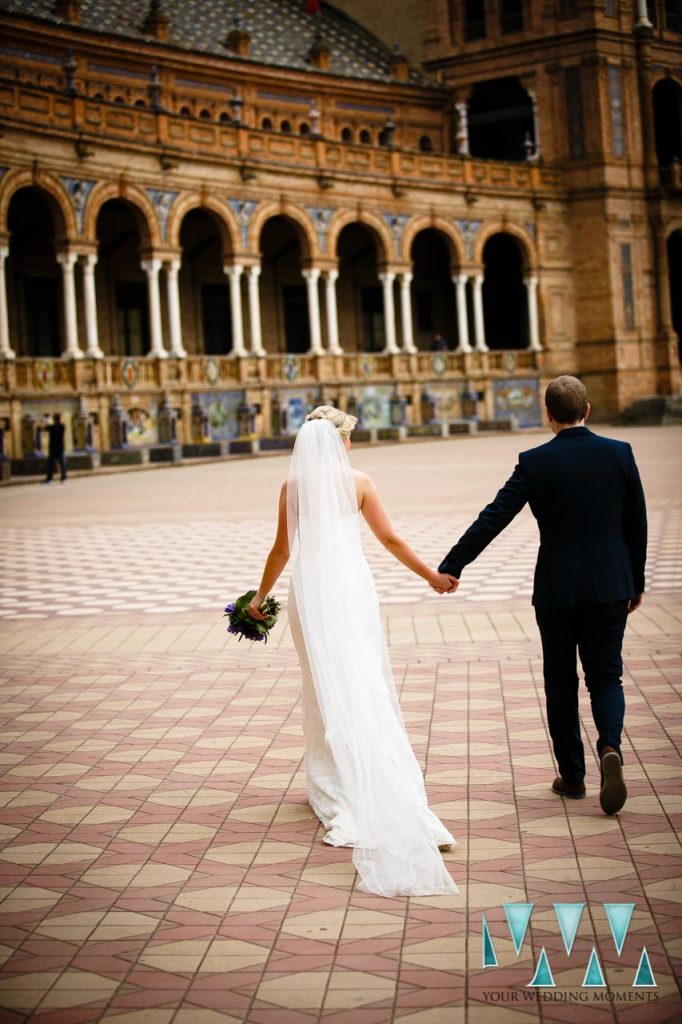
[55,451]
[586,494]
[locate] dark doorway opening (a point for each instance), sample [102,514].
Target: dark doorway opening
[296,323]
[217,324]
[505,307]
[131,318]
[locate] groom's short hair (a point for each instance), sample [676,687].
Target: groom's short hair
[566,399]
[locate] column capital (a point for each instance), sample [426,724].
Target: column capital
[233,269]
[405,278]
[460,279]
[151,266]
[331,275]
[254,270]
[4,252]
[387,276]
[67,259]
[311,273]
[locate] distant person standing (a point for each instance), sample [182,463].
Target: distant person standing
[440,344]
[55,451]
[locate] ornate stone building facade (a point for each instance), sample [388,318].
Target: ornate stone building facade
[206,208]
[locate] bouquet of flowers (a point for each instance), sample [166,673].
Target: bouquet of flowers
[241,623]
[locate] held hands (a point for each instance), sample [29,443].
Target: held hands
[443,583]
[253,608]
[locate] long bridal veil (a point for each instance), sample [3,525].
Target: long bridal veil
[395,852]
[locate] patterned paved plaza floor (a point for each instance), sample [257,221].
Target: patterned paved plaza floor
[158,860]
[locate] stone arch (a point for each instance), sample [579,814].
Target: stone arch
[140,205]
[377,227]
[521,236]
[223,214]
[54,193]
[453,238]
[304,227]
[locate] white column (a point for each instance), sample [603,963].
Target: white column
[234,272]
[533,325]
[6,351]
[253,277]
[92,351]
[332,314]
[406,312]
[387,280]
[174,318]
[462,136]
[643,15]
[460,282]
[151,268]
[66,261]
[479,323]
[312,277]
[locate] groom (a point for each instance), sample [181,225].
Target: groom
[585,492]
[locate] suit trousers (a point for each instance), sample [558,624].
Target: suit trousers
[60,460]
[596,633]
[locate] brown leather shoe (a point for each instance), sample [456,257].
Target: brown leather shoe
[613,793]
[572,792]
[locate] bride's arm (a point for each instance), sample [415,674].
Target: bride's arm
[380,525]
[277,559]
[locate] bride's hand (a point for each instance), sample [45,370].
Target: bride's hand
[443,583]
[253,608]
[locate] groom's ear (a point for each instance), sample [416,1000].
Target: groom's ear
[588,409]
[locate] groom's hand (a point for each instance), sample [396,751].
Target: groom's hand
[634,603]
[444,583]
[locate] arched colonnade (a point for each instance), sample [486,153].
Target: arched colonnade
[95,269]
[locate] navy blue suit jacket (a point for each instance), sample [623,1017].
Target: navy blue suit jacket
[586,494]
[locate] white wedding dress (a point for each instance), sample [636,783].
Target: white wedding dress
[364,782]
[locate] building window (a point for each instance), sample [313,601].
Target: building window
[611,8]
[185,112]
[225,117]
[365,137]
[425,144]
[628,288]
[474,27]
[205,115]
[574,113]
[346,135]
[512,16]
[303,128]
[616,105]
[266,124]
[673,15]
[285,127]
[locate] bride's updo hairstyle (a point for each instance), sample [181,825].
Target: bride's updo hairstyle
[341,420]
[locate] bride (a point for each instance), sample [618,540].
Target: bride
[364,782]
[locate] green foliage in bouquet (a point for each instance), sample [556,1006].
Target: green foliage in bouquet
[241,623]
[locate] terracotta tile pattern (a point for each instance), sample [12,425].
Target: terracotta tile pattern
[159,861]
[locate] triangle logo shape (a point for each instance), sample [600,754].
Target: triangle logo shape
[594,976]
[543,973]
[518,916]
[568,915]
[489,955]
[619,915]
[644,978]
